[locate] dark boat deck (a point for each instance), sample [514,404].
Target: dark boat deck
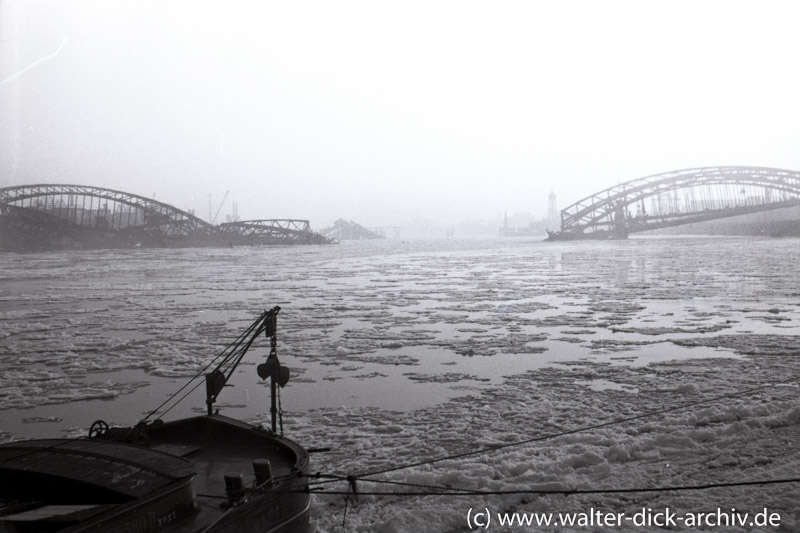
[115,471]
[218,446]
[176,485]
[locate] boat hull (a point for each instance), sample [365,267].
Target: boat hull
[201,474]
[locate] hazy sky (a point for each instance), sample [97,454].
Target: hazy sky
[388,112]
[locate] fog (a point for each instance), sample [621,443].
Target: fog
[389,113]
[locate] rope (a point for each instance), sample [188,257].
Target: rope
[335,478]
[344,515]
[280,410]
[234,343]
[273,352]
[417,485]
[465,492]
[577,430]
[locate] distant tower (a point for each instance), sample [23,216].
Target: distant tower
[552,211]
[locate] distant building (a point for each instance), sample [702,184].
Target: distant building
[522,225]
[525,225]
[553,215]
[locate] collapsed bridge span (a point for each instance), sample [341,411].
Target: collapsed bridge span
[54,216]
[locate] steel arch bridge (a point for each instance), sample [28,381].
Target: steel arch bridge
[78,215]
[272,231]
[676,198]
[58,216]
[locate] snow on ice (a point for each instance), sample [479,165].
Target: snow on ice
[404,352]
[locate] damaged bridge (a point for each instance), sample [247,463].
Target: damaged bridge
[48,216]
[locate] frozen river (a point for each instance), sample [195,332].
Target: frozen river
[380,335]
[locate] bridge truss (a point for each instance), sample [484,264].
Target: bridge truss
[677,198]
[271,231]
[78,215]
[58,216]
